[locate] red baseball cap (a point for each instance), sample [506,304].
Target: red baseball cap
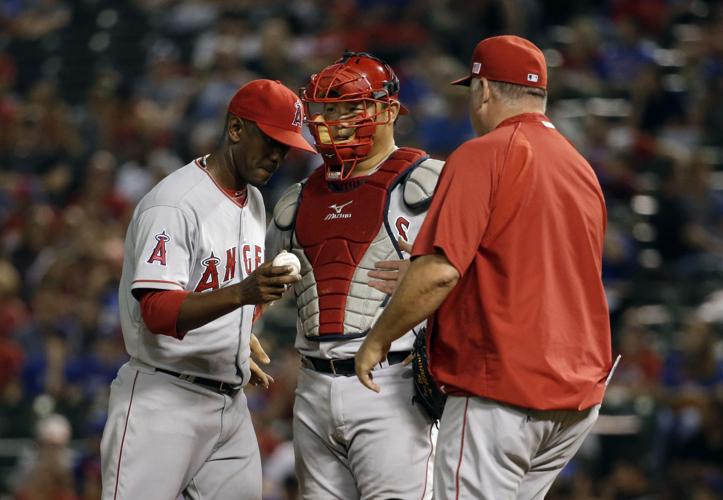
[510,59]
[274,108]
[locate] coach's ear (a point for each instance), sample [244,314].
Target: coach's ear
[235,128]
[479,90]
[486,90]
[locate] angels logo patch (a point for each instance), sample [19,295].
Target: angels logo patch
[298,115]
[159,252]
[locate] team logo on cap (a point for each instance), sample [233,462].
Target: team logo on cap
[533,77]
[298,115]
[476,67]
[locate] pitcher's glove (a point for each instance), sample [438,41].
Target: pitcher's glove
[426,390]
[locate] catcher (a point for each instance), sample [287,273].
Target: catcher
[362,206]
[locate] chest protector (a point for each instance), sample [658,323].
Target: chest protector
[335,229]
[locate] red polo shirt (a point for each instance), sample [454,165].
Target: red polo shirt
[520,214]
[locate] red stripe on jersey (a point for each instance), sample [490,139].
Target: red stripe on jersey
[123,439]
[158,281]
[461,448]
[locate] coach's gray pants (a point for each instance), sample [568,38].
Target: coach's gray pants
[491,451]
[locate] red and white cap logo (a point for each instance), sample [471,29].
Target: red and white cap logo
[298,115]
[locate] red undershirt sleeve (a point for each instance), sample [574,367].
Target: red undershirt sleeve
[160,308]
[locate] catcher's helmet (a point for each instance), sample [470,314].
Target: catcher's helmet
[355,77]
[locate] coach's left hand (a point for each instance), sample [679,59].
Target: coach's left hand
[389,273]
[370,354]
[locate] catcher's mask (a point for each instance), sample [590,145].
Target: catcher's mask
[360,86]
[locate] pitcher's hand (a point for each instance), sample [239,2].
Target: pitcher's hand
[266,284]
[259,376]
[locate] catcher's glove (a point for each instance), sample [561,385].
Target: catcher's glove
[426,390]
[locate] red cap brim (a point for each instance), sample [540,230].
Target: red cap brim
[288,137]
[462,81]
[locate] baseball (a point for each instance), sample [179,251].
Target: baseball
[287,259]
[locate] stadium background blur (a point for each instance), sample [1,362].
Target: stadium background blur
[100,99]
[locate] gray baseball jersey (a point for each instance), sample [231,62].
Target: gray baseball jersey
[188,234]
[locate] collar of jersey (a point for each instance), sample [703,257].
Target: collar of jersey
[523,117]
[240,198]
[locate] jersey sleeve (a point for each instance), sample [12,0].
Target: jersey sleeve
[460,209]
[163,242]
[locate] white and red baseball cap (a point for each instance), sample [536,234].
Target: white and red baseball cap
[275,109]
[510,59]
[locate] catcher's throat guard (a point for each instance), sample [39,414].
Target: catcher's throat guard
[345,102]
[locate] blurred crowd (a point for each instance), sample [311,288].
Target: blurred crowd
[101,99]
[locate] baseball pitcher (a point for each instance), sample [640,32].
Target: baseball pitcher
[178,423]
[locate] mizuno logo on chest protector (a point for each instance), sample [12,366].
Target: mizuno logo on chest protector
[337,213]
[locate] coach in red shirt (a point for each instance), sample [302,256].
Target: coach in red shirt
[508,266]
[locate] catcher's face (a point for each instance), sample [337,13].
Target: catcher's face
[342,119]
[256,156]
[345,115]
[350,132]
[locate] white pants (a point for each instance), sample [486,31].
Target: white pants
[352,443]
[491,451]
[166,437]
